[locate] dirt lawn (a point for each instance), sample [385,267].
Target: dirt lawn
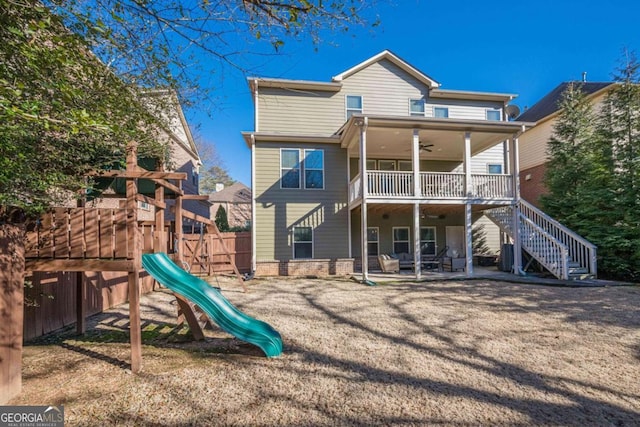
[450,353]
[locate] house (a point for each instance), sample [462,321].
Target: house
[236,200]
[382,160]
[533,142]
[183,157]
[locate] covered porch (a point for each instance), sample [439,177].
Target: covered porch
[421,172]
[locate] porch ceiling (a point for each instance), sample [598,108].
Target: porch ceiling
[391,137]
[432,210]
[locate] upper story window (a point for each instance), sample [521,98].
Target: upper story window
[441,112]
[194,176]
[494,115]
[494,168]
[314,169]
[289,168]
[354,105]
[308,173]
[416,107]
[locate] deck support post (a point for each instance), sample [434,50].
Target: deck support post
[11,310]
[515,229]
[81,292]
[363,206]
[468,238]
[417,264]
[134,254]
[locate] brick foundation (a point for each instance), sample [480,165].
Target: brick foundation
[305,267]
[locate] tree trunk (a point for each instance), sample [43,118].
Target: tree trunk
[11,309]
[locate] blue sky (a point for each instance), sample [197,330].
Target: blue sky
[526,48]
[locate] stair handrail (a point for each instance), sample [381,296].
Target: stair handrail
[564,251]
[562,229]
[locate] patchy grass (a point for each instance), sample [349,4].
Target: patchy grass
[450,353]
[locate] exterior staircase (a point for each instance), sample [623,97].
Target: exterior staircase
[565,254]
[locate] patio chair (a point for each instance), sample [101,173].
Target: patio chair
[388,264]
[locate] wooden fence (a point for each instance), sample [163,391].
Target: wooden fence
[99,237]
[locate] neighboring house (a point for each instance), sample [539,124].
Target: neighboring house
[236,200]
[533,142]
[183,157]
[380,160]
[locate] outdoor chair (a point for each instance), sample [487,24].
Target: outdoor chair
[388,264]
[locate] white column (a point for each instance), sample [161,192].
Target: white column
[468,232]
[363,206]
[254,262]
[349,242]
[467,164]
[415,157]
[416,240]
[515,220]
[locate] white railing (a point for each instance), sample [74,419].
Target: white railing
[552,254]
[355,188]
[581,251]
[390,183]
[439,185]
[492,186]
[442,185]
[538,230]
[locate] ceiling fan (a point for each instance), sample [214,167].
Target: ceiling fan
[424,146]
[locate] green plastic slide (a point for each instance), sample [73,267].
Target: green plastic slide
[216,306]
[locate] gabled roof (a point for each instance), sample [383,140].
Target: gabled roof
[235,193]
[549,104]
[390,56]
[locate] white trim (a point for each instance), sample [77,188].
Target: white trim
[393,237]
[303,174]
[377,242]
[299,187]
[441,107]
[435,238]
[346,106]
[424,107]
[494,110]
[386,54]
[253,205]
[293,241]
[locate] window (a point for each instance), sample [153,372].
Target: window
[194,175]
[371,165]
[372,240]
[405,165]
[401,240]
[302,242]
[144,206]
[314,169]
[289,168]
[354,105]
[416,107]
[386,165]
[494,169]
[494,115]
[427,240]
[441,112]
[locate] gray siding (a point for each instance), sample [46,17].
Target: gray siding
[279,210]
